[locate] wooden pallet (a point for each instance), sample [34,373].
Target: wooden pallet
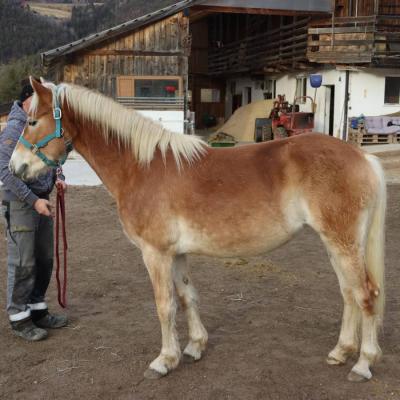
[396,138]
[360,137]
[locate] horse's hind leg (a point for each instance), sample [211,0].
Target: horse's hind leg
[189,300]
[357,295]
[348,342]
[159,267]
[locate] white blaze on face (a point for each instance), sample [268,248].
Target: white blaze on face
[26,164]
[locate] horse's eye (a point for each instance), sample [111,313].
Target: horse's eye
[32,123]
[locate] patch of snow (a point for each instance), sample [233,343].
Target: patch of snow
[79,173]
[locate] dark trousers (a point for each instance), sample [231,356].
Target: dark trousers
[30,257]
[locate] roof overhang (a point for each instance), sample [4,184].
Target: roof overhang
[283,7]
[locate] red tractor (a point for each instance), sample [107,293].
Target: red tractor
[287,120]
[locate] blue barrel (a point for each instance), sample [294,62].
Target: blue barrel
[315,80]
[354,122]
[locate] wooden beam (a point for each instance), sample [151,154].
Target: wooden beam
[344,20]
[258,11]
[195,15]
[324,43]
[129,52]
[303,66]
[349,29]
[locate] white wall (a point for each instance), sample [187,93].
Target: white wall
[287,85]
[367,90]
[241,88]
[172,120]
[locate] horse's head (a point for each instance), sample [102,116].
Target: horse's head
[42,144]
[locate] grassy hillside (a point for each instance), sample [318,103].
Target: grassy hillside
[61,11]
[56,10]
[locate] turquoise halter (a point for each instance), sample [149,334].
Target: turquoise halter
[57,134]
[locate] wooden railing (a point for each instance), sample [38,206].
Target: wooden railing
[355,40]
[153,103]
[280,48]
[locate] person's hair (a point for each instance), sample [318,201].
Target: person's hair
[26,92]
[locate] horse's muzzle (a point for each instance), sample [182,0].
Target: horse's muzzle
[20,171]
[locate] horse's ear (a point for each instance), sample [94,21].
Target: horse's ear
[45,94]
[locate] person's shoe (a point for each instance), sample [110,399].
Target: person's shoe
[27,330]
[43,319]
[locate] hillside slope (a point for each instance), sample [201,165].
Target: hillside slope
[23,32]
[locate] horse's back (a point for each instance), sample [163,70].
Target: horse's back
[307,159]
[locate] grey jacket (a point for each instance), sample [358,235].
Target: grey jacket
[13,187]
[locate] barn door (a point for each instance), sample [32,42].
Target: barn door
[329,109]
[236,102]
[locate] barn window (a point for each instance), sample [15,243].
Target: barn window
[392,90]
[269,87]
[149,86]
[210,95]
[156,87]
[301,88]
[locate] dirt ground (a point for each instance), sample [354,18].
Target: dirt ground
[271,321]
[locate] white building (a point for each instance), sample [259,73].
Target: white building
[371,92]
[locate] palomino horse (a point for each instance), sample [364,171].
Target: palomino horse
[161,182]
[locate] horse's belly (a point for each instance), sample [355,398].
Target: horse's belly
[230,240]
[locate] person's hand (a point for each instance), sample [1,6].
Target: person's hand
[61,184]
[43,207]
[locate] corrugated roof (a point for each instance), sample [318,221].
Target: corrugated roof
[49,56]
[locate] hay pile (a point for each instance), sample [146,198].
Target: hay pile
[242,122]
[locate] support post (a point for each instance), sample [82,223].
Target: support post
[346,105]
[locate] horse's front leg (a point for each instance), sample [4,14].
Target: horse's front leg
[188,295]
[159,266]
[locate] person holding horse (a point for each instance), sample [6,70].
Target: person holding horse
[27,212]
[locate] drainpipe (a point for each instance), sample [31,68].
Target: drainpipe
[346,104]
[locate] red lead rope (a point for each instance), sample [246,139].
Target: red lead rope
[60,209]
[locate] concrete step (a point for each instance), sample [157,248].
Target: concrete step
[383,151]
[390,164]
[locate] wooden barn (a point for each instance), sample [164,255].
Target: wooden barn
[179,58]
[213,56]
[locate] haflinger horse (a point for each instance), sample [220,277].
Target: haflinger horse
[172,192]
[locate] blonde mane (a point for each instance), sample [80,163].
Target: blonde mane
[132,129]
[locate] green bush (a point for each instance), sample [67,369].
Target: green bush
[12,75]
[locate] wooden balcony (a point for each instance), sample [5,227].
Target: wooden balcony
[276,50]
[153,103]
[370,40]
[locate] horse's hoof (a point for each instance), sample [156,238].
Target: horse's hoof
[334,361]
[152,374]
[188,359]
[354,377]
